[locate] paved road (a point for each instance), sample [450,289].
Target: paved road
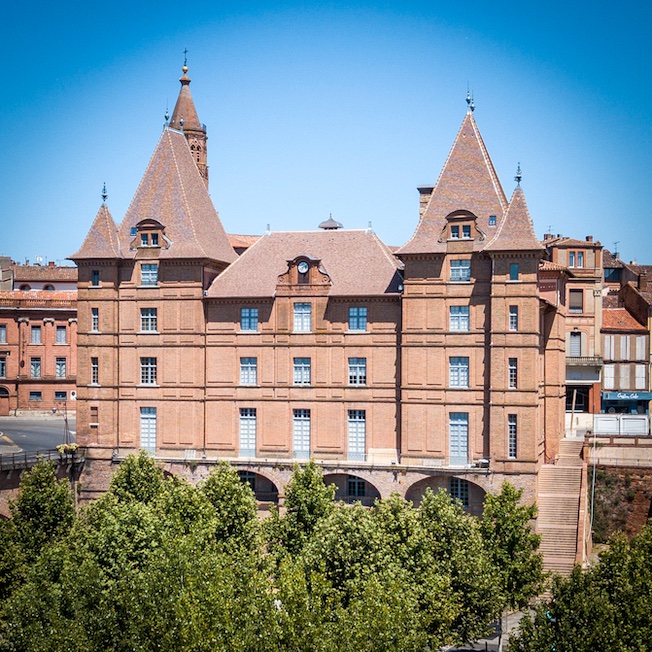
[32,434]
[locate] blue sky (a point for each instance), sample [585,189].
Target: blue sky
[330,107]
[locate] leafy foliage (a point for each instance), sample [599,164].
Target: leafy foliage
[606,607]
[158,564]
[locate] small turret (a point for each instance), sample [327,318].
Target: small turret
[184,118]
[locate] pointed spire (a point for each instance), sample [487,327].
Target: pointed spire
[468,181]
[516,232]
[101,241]
[184,109]
[173,193]
[185,119]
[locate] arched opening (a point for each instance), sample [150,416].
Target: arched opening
[352,489]
[48,288]
[468,493]
[264,489]
[4,402]
[25,287]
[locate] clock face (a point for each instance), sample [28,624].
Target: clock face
[302,267]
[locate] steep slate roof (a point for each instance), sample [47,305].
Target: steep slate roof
[101,241]
[357,262]
[468,181]
[173,192]
[516,231]
[185,107]
[619,319]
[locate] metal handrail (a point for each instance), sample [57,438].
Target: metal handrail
[27,459]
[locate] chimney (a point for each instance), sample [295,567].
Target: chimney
[642,282]
[425,192]
[50,263]
[547,236]
[589,238]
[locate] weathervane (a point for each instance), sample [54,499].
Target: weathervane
[470,102]
[518,176]
[104,193]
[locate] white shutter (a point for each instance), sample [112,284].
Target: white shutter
[624,347]
[640,376]
[609,347]
[624,376]
[640,347]
[608,379]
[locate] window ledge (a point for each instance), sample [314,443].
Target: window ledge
[147,333]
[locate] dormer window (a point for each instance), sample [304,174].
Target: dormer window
[149,233]
[466,231]
[455,231]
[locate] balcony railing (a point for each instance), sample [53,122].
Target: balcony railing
[584,361]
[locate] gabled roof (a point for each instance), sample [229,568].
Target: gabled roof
[185,107]
[101,241]
[619,319]
[358,263]
[516,231]
[561,241]
[173,193]
[468,181]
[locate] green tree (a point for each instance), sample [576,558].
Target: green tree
[506,527]
[307,501]
[43,511]
[234,503]
[137,478]
[606,607]
[460,553]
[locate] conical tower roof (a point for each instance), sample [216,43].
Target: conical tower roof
[468,181]
[101,241]
[173,193]
[185,109]
[516,232]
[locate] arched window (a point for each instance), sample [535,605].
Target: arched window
[49,288]
[24,287]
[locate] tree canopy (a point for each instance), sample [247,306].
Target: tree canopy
[159,564]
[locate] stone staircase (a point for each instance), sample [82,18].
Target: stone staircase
[559,488]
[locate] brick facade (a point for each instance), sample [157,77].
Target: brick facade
[439,365]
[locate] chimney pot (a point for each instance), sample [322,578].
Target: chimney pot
[589,238]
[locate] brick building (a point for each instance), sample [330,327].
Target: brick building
[440,364]
[38,337]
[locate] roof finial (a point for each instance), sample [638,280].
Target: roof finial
[518,176]
[470,102]
[185,61]
[104,193]
[167,114]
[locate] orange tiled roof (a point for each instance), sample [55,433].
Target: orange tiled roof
[618,319]
[358,263]
[101,241]
[468,181]
[548,265]
[242,241]
[173,193]
[516,231]
[44,273]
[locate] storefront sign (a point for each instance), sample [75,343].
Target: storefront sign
[627,396]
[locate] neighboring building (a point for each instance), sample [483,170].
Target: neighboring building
[626,374]
[582,260]
[38,337]
[437,364]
